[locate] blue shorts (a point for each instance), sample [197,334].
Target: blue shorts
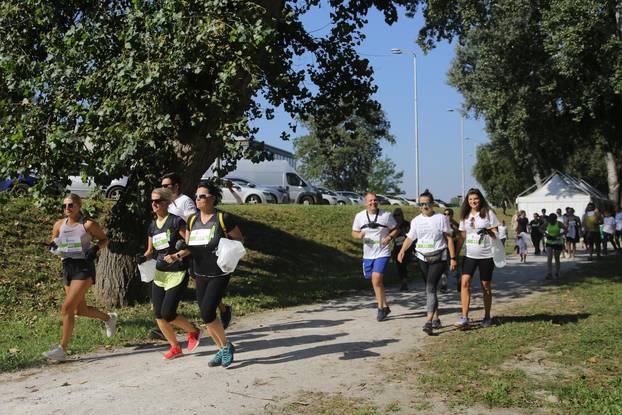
[374,265]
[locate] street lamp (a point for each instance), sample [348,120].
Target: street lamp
[398,51]
[459,111]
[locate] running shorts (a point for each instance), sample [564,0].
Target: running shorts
[485,266]
[374,265]
[77,269]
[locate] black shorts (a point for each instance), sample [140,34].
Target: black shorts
[572,240]
[486,266]
[78,269]
[592,237]
[555,247]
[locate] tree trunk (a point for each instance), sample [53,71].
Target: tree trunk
[612,177]
[117,281]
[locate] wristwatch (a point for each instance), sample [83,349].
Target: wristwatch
[453,258]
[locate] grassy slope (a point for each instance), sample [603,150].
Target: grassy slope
[297,255]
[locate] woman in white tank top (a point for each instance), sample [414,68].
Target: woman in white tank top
[71,240]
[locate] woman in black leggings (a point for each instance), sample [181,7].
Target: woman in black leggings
[433,234]
[205,229]
[171,276]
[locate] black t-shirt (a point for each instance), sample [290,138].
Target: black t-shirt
[521,224]
[203,242]
[165,238]
[535,226]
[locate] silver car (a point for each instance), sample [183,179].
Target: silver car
[279,192]
[84,189]
[355,198]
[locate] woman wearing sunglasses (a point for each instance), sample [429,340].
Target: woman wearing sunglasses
[478,225]
[171,276]
[206,228]
[433,234]
[71,240]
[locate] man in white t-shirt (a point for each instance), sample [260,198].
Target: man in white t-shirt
[182,205]
[376,228]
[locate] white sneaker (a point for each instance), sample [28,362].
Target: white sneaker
[57,353]
[111,324]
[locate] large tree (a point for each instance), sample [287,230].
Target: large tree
[545,75]
[346,160]
[139,87]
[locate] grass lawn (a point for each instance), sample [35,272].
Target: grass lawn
[561,352]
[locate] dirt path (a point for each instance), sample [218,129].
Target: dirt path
[332,347]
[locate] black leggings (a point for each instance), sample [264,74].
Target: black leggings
[210,291]
[432,275]
[165,302]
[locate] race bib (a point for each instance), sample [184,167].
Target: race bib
[425,244]
[474,241]
[70,244]
[160,241]
[201,236]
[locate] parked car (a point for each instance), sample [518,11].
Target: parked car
[355,198]
[279,192]
[277,173]
[404,201]
[249,195]
[391,200]
[17,187]
[332,197]
[84,189]
[382,200]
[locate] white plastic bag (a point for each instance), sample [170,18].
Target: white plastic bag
[498,253]
[229,253]
[147,270]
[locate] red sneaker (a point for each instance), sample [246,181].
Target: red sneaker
[173,352]
[193,340]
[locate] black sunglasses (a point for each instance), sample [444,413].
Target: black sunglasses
[67,205]
[447,214]
[426,204]
[157,200]
[202,196]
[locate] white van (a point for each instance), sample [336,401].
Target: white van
[278,173]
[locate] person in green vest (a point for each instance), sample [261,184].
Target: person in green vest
[591,229]
[553,231]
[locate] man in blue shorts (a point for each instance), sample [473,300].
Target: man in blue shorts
[376,228]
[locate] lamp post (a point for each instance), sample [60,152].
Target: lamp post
[459,111]
[398,51]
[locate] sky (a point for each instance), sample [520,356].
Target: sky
[439,130]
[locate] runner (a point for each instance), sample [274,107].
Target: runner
[543,217]
[591,230]
[376,228]
[573,225]
[184,207]
[403,226]
[554,233]
[562,218]
[609,230]
[171,276]
[503,232]
[433,234]
[522,246]
[71,240]
[206,228]
[536,234]
[478,225]
[449,214]
[618,218]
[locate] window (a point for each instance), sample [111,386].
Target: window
[294,180]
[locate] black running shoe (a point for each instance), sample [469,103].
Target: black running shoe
[427,327]
[436,324]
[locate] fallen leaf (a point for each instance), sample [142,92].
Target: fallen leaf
[13,350]
[593,359]
[66,384]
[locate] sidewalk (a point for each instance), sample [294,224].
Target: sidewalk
[329,347]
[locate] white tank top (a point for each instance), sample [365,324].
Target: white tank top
[73,241]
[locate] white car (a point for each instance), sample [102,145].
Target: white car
[355,198]
[328,196]
[247,194]
[393,200]
[281,194]
[404,200]
[82,189]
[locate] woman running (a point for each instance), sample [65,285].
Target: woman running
[206,228]
[433,234]
[554,233]
[573,224]
[171,276]
[71,240]
[478,224]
